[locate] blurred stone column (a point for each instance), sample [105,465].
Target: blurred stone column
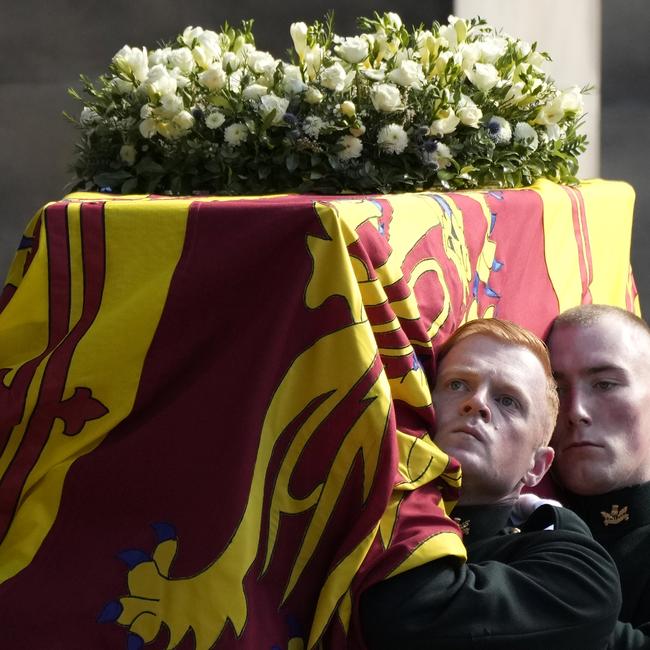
[571,33]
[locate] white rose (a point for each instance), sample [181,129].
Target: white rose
[148,127]
[159,57]
[357,131]
[230,61]
[272,102]
[468,112]
[333,77]
[261,62]
[392,139]
[182,59]
[181,79]
[348,108]
[374,74]
[446,122]
[214,78]
[254,91]
[183,120]
[492,49]
[128,153]
[160,82]
[170,105]
[351,147]
[313,95]
[353,49]
[215,119]
[483,75]
[209,41]
[571,100]
[292,81]
[526,135]
[408,74]
[235,134]
[298,33]
[190,34]
[386,98]
[131,60]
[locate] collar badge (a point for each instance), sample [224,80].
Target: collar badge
[615,516]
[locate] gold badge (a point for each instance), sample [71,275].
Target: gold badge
[616,516]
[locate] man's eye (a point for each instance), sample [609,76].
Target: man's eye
[456,384]
[604,385]
[508,401]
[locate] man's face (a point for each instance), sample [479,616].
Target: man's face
[491,409]
[602,437]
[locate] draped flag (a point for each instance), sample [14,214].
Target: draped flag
[216,418]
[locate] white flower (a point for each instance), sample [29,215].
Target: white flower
[351,147]
[551,113]
[254,91]
[483,75]
[313,61]
[441,62]
[183,120]
[147,127]
[313,95]
[235,134]
[270,103]
[499,130]
[555,131]
[209,43]
[261,62]
[159,82]
[88,117]
[159,56]
[440,156]
[214,78]
[357,131]
[492,49]
[182,59]
[333,77]
[214,119]
[392,139]
[298,33]
[353,49]
[394,20]
[408,74]
[526,135]
[230,62]
[128,153]
[468,112]
[470,54]
[572,101]
[312,126]
[181,79]
[132,61]
[348,108]
[374,74]
[516,94]
[293,82]
[170,105]
[190,34]
[386,98]
[446,123]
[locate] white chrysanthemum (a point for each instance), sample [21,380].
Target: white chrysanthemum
[499,130]
[215,119]
[351,147]
[392,139]
[312,126]
[235,134]
[440,156]
[525,134]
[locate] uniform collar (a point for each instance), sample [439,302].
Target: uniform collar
[614,513]
[481,522]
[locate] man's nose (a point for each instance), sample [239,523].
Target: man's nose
[575,407]
[477,402]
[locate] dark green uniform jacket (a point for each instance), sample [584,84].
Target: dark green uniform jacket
[620,521]
[531,590]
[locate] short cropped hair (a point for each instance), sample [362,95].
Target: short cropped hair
[513,334]
[585,315]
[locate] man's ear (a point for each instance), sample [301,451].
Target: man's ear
[540,464]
